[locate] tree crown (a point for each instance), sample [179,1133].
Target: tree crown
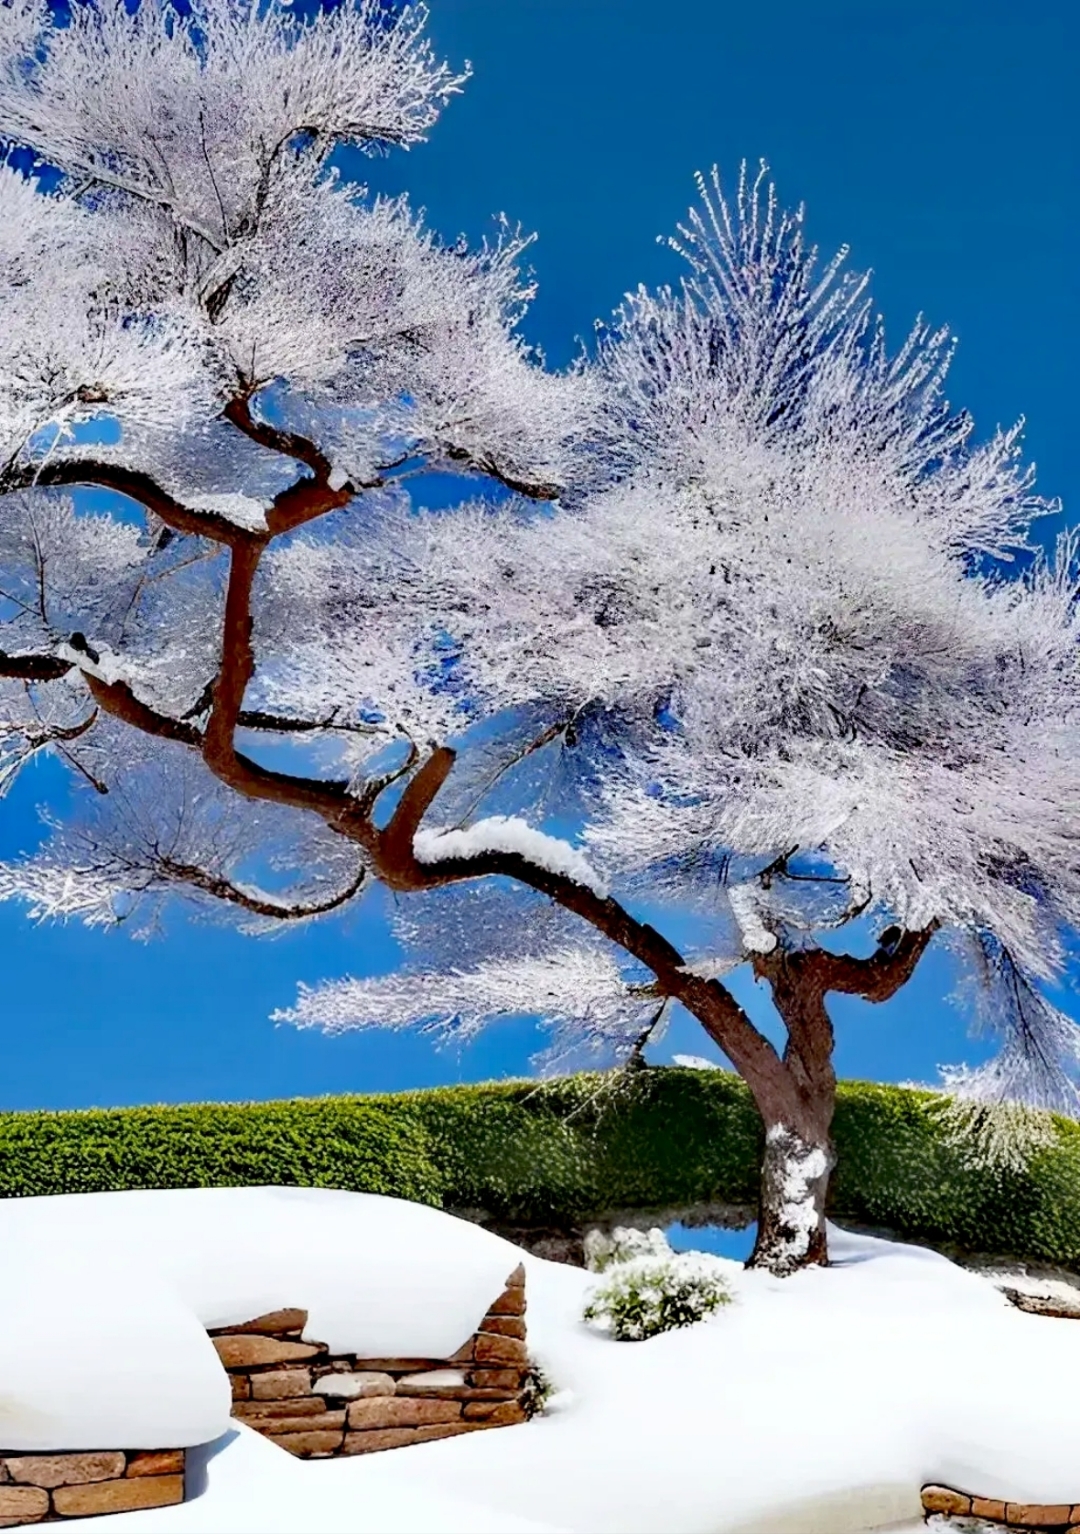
[735,615]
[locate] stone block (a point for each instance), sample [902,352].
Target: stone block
[505,1326]
[156,1462]
[274,1322]
[517,1277]
[65,1469]
[285,1382]
[500,1351]
[395,1411]
[509,1303]
[119,1496]
[986,1507]
[401,1437]
[253,1351]
[496,1379]
[1039,1515]
[494,1414]
[324,1422]
[241,1387]
[22,1504]
[291,1406]
[942,1499]
[348,1387]
[430,1379]
[397,1365]
[463,1354]
[309,1443]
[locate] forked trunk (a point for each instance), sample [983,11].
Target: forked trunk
[795,1173]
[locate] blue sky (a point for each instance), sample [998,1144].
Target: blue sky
[936,137]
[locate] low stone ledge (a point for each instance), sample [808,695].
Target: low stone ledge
[946,1501]
[279,1384]
[156,1462]
[118,1496]
[312,1402]
[348,1385]
[291,1406]
[274,1427]
[41,1488]
[375,1441]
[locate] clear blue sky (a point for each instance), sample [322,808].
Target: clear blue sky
[937,137]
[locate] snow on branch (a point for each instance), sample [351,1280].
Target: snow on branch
[746,903]
[570,987]
[507,833]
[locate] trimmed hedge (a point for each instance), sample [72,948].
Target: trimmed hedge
[554,1155]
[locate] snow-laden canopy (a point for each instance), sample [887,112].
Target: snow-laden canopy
[736,618]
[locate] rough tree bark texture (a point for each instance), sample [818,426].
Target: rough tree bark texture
[794,1093]
[798,1156]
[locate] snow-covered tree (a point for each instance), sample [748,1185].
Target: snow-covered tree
[735,624]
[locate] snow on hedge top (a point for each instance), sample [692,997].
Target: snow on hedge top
[103,1339]
[509,833]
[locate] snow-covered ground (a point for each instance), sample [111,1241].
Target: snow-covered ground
[815,1405]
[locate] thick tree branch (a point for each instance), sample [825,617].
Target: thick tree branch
[33,668]
[238,412]
[117,699]
[331,800]
[396,841]
[137,486]
[880,976]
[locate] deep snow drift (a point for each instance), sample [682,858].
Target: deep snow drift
[817,1403]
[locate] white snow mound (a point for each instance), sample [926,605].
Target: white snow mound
[106,1297]
[818,1404]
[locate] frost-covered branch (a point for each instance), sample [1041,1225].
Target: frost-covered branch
[570,988]
[1039,1058]
[171,871]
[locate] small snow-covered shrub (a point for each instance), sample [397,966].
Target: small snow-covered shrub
[623,1244]
[536,1392]
[655,1290]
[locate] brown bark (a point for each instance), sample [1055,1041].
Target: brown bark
[798,1136]
[259,905]
[795,1093]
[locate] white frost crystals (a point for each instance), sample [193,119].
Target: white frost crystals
[571,988]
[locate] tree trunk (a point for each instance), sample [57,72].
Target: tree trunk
[795,1173]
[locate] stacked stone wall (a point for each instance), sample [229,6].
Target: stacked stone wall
[41,1488]
[944,1504]
[312,1402]
[319,1404]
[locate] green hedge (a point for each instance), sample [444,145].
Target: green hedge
[554,1155]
